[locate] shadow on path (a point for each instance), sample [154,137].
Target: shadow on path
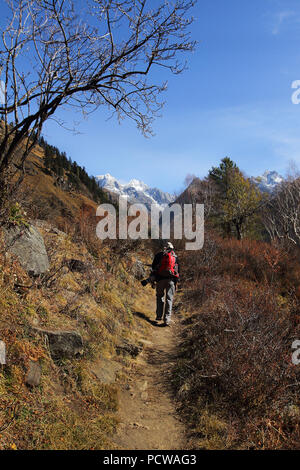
[143,316]
[147,319]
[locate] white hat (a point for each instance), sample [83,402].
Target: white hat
[169,245]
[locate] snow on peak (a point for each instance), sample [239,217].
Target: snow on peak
[137,184]
[136,190]
[268,181]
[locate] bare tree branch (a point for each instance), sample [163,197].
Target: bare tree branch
[52,53]
[281,215]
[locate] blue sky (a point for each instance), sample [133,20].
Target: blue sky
[234,100]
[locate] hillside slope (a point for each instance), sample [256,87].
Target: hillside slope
[74,404]
[44,195]
[49,399]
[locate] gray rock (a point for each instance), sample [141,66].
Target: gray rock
[105,370]
[33,376]
[43,224]
[63,344]
[28,245]
[138,270]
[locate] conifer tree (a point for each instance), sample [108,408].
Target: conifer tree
[236,199]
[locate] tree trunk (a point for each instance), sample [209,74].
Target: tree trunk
[238,231]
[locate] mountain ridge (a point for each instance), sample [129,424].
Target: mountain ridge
[139,192]
[136,190]
[268,181]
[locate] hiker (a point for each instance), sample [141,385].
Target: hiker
[165,267]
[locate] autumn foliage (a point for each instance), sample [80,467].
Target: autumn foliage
[235,376]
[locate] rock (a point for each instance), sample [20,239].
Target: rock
[138,270]
[76,265]
[33,376]
[63,344]
[44,225]
[28,245]
[138,425]
[129,348]
[106,370]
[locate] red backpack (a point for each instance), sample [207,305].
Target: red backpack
[168,266]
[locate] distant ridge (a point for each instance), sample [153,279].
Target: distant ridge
[136,190]
[268,181]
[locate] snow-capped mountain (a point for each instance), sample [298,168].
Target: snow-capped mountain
[136,190]
[268,181]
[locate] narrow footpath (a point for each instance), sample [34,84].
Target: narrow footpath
[147,410]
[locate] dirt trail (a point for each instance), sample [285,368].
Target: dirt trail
[148,417]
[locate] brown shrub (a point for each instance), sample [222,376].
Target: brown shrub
[235,361]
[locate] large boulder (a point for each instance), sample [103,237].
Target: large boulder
[63,344]
[28,245]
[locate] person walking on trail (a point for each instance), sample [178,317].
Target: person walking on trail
[165,267]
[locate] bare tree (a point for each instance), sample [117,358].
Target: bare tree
[281,215]
[54,53]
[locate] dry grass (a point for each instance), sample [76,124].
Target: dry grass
[71,409]
[234,375]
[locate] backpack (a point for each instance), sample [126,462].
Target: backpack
[168,265]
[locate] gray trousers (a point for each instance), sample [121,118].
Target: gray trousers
[168,286]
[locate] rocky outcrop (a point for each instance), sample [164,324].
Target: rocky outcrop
[28,245]
[63,344]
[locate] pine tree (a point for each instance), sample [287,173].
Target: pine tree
[48,157]
[236,201]
[221,174]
